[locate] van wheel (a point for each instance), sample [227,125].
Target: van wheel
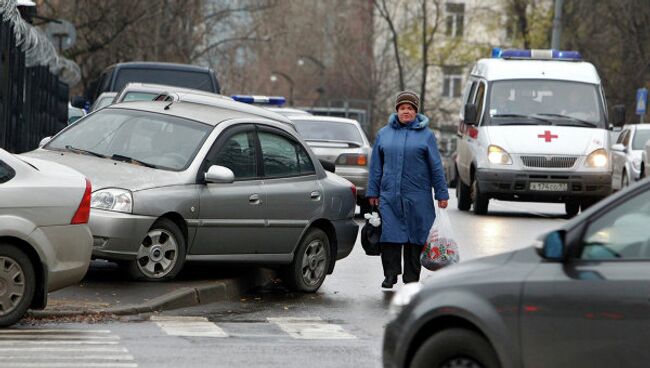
[455,347]
[309,267]
[479,200]
[572,208]
[161,253]
[463,194]
[17,284]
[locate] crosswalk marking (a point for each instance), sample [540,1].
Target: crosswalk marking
[311,328]
[60,348]
[188,326]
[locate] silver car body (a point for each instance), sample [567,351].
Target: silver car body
[103,100]
[37,204]
[627,153]
[259,220]
[331,146]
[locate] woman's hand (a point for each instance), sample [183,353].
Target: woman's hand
[442,204]
[374,201]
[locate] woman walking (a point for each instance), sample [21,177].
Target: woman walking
[404,166]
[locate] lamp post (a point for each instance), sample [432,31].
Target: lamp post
[274,78]
[321,67]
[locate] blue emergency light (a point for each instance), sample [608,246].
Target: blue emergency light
[261,100]
[536,54]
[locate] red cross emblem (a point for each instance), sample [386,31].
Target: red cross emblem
[547,136]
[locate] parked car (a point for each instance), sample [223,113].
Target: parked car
[342,142]
[577,298]
[627,155]
[103,100]
[45,242]
[181,181]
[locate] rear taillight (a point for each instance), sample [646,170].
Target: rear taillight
[83,212]
[352,159]
[354,193]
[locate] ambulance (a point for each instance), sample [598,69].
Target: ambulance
[534,127]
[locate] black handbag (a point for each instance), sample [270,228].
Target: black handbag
[370,236]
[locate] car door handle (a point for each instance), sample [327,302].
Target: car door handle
[315,195]
[254,199]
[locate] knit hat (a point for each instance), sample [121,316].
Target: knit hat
[409,97]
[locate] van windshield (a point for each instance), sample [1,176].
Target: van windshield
[178,78]
[545,102]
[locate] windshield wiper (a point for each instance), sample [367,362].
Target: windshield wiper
[583,122]
[532,117]
[83,151]
[132,160]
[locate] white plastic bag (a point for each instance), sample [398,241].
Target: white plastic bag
[441,249]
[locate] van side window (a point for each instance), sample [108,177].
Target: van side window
[479,101]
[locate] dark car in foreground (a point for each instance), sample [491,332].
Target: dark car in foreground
[578,298]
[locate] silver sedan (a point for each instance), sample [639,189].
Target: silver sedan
[45,242]
[181,180]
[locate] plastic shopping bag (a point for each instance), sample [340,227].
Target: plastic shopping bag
[441,249]
[371,233]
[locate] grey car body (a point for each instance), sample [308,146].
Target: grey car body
[627,161]
[185,207]
[578,298]
[342,142]
[41,250]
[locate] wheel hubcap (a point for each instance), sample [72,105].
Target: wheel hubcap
[12,285]
[314,260]
[157,254]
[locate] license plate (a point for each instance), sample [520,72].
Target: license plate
[549,187]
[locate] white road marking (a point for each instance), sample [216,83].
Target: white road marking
[311,328]
[188,326]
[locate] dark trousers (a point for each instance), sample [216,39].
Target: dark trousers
[391,260]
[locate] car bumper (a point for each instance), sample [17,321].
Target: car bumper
[66,251]
[515,185]
[117,236]
[357,176]
[346,236]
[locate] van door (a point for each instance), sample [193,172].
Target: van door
[468,142]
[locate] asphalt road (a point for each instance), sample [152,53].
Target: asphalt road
[340,326]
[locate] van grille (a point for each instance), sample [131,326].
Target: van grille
[557,162]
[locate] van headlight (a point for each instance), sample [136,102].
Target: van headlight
[403,297]
[497,155]
[597,158]
[112,199]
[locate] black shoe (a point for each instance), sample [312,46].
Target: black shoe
[389,281]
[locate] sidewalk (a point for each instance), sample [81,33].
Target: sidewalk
[107,291]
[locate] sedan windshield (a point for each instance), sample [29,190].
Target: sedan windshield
[328,131]
[545,102]
[138,137]
[640,138]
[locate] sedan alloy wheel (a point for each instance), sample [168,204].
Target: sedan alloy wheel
[17,284]
[161,253]
[310,264]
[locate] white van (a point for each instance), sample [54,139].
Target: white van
[534,128]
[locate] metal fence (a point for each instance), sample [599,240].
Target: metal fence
[33,101]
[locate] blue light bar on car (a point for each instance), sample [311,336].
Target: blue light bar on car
[262,100]
[539,54]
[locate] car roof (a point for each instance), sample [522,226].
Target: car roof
[107,94]
[159,65]
[502,69]
[152,87]
[324,118]
[288,111]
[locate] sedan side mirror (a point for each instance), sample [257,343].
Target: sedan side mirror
[219,174]
[329,166]
[618,115]
[471,113]
[554,248]
[44,141]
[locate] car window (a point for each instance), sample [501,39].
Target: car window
[480,93]
[283,157]
[621,136]
[640,138]
[139,96]
[238,154]
[621,233]
[6,172]
[179,78]
[328,131]
[165,141]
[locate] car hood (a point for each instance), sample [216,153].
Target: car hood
[547,140]
[107,173]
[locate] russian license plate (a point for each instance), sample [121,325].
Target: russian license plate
[549,187]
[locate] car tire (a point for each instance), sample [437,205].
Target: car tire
[161,253]
[455,347]
[463,194]
[17,284]
[479,200]
[310,263]
[572,208]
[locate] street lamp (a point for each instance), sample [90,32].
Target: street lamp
[321,67]
[274,78]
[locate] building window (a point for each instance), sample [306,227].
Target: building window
[455,19]
[452,81]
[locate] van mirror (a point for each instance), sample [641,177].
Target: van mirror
[618,115]
[219,174]
[554,248]
[470,114]
[78,102]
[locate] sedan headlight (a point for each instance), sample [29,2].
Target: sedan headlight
[112,199]
[497,155]
[403,296]
[597,158]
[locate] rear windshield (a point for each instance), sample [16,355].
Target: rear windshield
[328,131]
[195,80]
[640,138]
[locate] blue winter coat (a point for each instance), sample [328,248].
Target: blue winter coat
[404,166]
